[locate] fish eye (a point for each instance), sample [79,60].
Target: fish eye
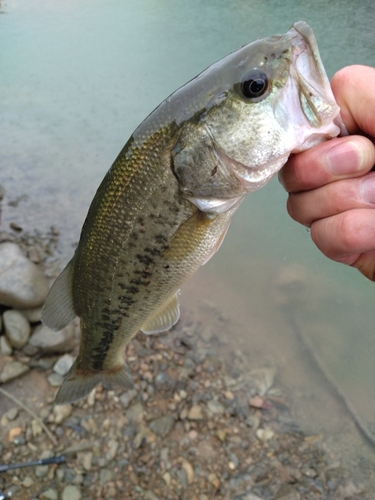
[254,84]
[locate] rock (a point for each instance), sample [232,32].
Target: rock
[215,407]
[17,328]
[71,493]
[127,397]
[105,476]
[256,402]
[22,284]
[63,365]
[112,449]
[61,412]
[150,495]
[87,461]
[262,379]
[195,413]
[55,380]
[265,434]
[188,468]
[161,426]
[36,428]
[14,433]
[12,370]
[287,492]
[214,480]
[48,341]
[32,315]
[27,482]
[12,414]
[50,494]
[5,347]
[135,412]
[41,470]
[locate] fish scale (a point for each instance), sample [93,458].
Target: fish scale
[164,207]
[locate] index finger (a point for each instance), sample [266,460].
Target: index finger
[354,90]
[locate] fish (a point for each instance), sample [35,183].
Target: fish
[165,206]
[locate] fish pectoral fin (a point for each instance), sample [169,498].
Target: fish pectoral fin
[58,310]
[79,383]
[163,319]
[217,245]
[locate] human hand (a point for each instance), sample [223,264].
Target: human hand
[331,189]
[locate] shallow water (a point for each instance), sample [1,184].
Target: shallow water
[77,77]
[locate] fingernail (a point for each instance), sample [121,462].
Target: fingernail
[368,189]
[345,158]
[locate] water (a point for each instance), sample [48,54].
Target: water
[77,77]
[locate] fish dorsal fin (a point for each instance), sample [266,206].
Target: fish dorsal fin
[58,310]
[164,318]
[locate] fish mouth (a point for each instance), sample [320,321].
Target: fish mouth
[315,94]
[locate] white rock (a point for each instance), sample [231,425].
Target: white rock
[48,341]
[265,434]
[22,283]
[55,380]
[32,315]
[5,347]
[61,412]
[12,370]
[71,493]
[63,365]
[17,328]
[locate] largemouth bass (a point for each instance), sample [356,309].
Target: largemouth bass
[165,205]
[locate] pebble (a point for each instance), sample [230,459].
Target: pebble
[27,482]
[135,412]
[112,449]
[61,412]
[215,407]
[105,476]
[17,328]
[71,493]
[63,365]
[87,461]
[127,397]
[214,480]
[265,434]
[36,428]
[12,370]
[195,413]
[50,494]
[188,468]
[256,402]
[55,380]
[162,426]
[5,347]
[12,414]
[14,433]
[22,284]
[262,379]
[47,341]
[33,315]
[150,495]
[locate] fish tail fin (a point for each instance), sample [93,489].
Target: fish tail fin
[79,383]
[58,310]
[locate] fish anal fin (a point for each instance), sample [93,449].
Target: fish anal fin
[164,318]
[79,383]
[58,309]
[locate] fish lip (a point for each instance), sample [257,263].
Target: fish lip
[309,72]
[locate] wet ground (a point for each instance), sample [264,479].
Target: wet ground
[208,419]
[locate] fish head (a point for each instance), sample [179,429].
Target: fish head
[263,102]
